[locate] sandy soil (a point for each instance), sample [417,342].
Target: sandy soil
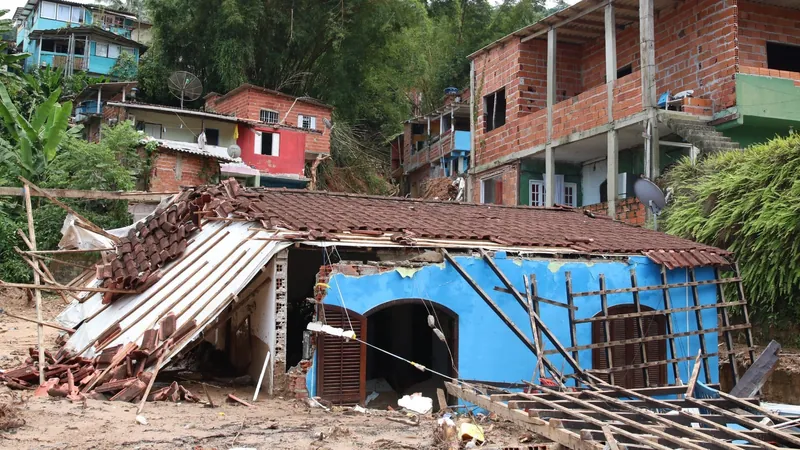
[271,424]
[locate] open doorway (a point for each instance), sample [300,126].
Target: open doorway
[402,328]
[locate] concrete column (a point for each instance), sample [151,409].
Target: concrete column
[611,81]
[550,164]
[649,89]
[472,106]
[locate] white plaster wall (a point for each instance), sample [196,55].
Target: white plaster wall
[184,128]
[592,176]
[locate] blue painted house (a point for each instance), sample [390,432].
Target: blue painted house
[77,37]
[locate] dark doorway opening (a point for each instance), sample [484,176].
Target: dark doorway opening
[402,327]
[630,354]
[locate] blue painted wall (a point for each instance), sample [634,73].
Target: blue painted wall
[488,349]
[462,140]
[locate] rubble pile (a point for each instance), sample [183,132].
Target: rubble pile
[439,189]
[117,373]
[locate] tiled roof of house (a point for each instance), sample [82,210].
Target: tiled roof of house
[322,215]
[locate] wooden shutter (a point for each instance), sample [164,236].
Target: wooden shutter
[629,354]
[341,377]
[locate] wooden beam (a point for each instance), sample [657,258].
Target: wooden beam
[71,251]
[659,337]
[657,288]
[140,197]
[660,312]
[698,317]
[63,288]
[561,436]
[757,374]
[86,222]
[39,322]
[578,15]
[607,330]
[36,292]
[539,323]
[693,378]
[722,312]
[573,332]
[538,299]
[534,331]
[640,328]
[745,313]
[535,296]
[648,364]
[777,435]
[671,341]
[493,306]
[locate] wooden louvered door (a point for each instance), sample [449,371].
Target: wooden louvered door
[630,354]
[341,377]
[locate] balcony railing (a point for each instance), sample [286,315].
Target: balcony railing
[62,61]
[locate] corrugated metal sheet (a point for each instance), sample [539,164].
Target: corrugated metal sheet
[225,258]
[210,151]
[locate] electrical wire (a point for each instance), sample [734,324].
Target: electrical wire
[341,297]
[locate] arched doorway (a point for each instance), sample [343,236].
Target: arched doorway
[630,354]
[350,371]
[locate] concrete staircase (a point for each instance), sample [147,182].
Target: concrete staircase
[702,136]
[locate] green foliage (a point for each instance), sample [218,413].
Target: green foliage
[32,144]
[12,268]
[749,203]
[10,63]
[125,68]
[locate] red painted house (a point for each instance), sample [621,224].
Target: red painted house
[283,132]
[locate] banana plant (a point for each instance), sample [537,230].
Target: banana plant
[29,145]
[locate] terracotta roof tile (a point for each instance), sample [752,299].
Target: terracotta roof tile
[314,215]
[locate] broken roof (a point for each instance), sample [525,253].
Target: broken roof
[323,216]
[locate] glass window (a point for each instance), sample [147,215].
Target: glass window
[537,193]
[64,12]
[101,50]
[113,51]
[570,196]
[152,129]
[128,50]
[307,122]
[77,14]
[492,190]
[48,10]
[268,116]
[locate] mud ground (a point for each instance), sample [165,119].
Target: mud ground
[272,423]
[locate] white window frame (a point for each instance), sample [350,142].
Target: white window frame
[80,14]
[97,51]
[117,51]
[276,144]
[265,113]
[483,185]
[541,200]
[574,188]
[148,128]
[301,122]
[55,10]
[59,8]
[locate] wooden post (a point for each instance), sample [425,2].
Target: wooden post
[607,328]
[550,164]
[649,90]
[534,330]
[611,82]
[668,305]
[573,334]
[746,314]
[535,303]
[698,315]
[36,293]
[723,313]
[640,327]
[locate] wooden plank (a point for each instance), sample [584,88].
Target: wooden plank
[675,403]
[46,287]
[152,381]
[577,370]
[62,252]
[37,294]
[643,429]
[39,322]
[671,341]
[757,374]
[682,429]
[606,330]
[660,312]
[534,331]
[695,373]
[86,222]
[561,436]
[777,435]
[573,332]
[745,313]
[647,364]
[493,306]
[777,418]
[660,337]
[640,327]
[722,311]
[540,299]
[698,316]
[132,196]
[535,301]
[658,287]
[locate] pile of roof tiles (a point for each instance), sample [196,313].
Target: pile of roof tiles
[117,373]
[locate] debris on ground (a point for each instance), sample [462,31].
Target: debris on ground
[10,406]
[439,189]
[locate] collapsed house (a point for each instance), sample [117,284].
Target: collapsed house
[428,293]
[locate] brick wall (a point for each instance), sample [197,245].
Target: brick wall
[172,170]
[248,102]
[629,210]
[695,49]
[760,23]
[510,177]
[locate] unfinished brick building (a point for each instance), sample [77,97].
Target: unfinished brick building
[574,108]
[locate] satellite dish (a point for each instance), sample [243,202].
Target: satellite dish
[327,123]
[651,195]
[234,151]
[185,86]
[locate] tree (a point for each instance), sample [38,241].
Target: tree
[124,68]
[10,63]
[32,144]
[749,203]
[136,7]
